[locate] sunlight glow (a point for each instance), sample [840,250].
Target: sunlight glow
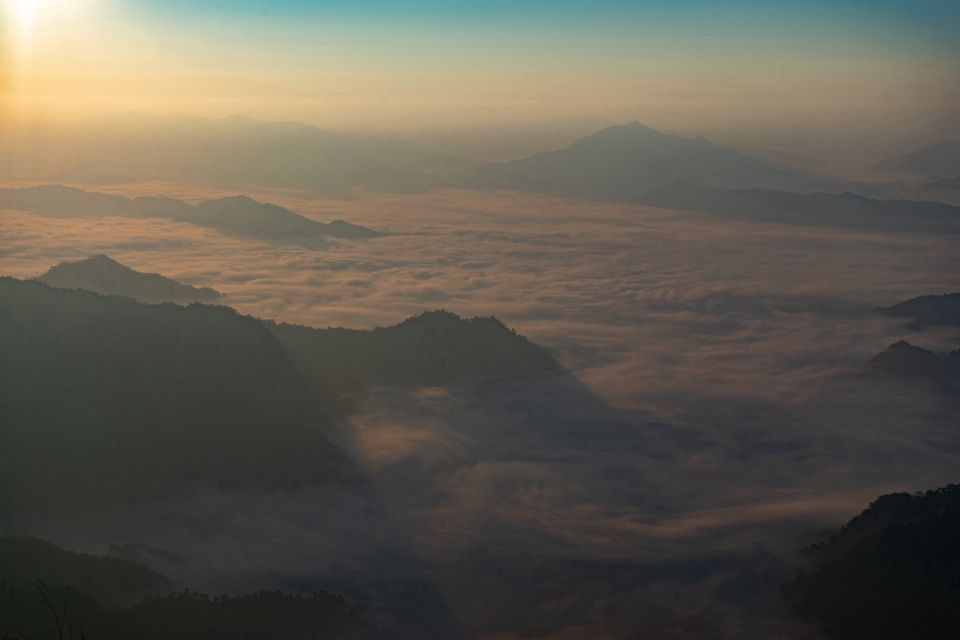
[25,17]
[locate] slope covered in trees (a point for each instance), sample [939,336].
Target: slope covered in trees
[48,592]
[431,348]
[105,399]
[891,572]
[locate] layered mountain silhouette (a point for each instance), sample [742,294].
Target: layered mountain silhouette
[622,161]
[891,572]
[104,399]
[102,274]
[236,215]
[941,159]
[928,310]
[833,209]
[111,581]
[45,589]
[432,348]
[234,152]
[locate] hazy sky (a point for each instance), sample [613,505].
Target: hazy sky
[412,63]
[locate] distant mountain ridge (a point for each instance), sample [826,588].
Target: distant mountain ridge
[928,310]
[102,274]
[233,152]
[937,160]
[621,161]
[234,215]
[832,209]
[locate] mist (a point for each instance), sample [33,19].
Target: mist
[483,322]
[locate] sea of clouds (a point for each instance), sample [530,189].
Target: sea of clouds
[715,416]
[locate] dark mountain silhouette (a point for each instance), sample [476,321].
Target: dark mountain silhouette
[109,580]
[244,216]
[833,209]
[891,572]
[233,152]
[903,359]
[619,162]
[431,348]
[237,215]
[941,159]
[102,274]
[928,310]
[45,589]
[103,399]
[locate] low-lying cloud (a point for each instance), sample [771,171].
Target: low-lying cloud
[715,419]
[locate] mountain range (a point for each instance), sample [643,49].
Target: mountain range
[832,209]
[941,159]
[236,215]
[102,274]
[234,152]
[104,399]
[623,161]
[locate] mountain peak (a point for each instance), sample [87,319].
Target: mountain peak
[102,259]
[621,161]
[102,274]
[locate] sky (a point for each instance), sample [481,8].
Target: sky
[412,63]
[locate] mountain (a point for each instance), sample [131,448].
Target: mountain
[109,580]
[60,201]
[106,400]
[432,348]
[230,153]
[941,159]
[832,209]
[102,274]
[241,215]
[621,161]
[928,310]
[236,215]
[891,572]
[903,359]
[46,591]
